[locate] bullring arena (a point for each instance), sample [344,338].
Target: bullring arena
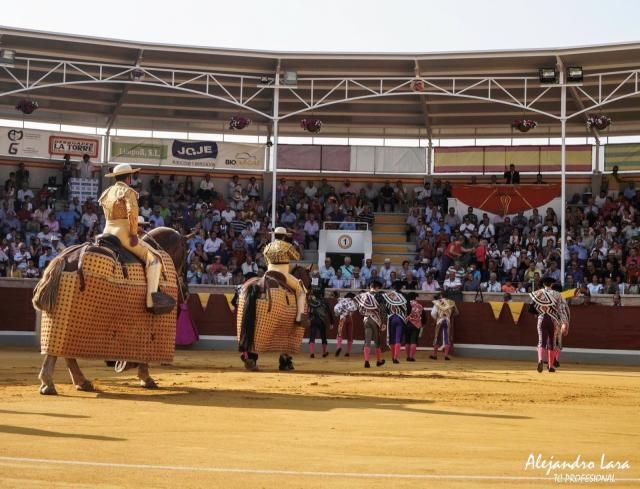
[412,175]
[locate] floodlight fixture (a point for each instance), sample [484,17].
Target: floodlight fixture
[7,57]
[575,74]
[548,75]
[290,78]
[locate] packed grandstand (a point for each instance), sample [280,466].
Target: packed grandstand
[229,223]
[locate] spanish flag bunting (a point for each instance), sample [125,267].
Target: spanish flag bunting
[516,310]
[204,299]
[496,307]
[229,298]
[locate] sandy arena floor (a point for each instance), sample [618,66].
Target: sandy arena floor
[331,423]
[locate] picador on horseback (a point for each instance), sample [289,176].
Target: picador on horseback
[278,253]
[120,206]
[115,298]
[271,308]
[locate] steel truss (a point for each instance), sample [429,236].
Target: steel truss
[38,73]
[524,93]
[519,92]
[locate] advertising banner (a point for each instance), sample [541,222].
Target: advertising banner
[32,143]
[74,146]
[192,154]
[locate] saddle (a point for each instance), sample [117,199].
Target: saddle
[104,244]
[112,243]
[71,260]
[270,280]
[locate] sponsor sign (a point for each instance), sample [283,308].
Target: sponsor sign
[32,143]
[194,154]
[23,142]
[74,146]
[198,150]
[137,152]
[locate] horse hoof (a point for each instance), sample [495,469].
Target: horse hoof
[48,390]
[250,364]
[149,383]
[86,386]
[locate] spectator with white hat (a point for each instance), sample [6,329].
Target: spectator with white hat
[384,275]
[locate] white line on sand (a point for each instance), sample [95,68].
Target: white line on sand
[225,470]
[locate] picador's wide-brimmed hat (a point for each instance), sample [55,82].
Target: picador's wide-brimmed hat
[281,230]
[122,169]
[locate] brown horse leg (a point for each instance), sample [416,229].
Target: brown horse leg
[77,377]
[145,379]
[48,388]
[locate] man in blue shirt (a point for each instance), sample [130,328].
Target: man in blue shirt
[45,259]
[327,271]
[630,191]
[575,272]
[336,282]
[67,218]
[195,240]
[348,224]
[365,271]
[288,218]
[578,248]
[436,226]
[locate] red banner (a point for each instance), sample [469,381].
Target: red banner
[506,199]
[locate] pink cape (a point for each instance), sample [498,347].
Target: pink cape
[186,332]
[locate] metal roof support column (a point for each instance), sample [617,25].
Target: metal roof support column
[563,170]
[105,160]
[423,103]
[274,162]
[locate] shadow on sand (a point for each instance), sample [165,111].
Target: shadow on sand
[193,396]
[53,415]
[19,430]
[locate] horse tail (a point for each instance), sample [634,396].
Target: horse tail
[248,320]
[45,294]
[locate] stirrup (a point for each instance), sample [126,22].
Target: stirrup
[122,365]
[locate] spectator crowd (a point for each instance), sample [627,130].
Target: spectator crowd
[476,252]
[229,224]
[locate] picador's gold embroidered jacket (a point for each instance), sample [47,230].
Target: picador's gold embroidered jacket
[121,202]
[279,252]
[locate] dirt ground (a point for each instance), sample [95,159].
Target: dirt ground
[331,423]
